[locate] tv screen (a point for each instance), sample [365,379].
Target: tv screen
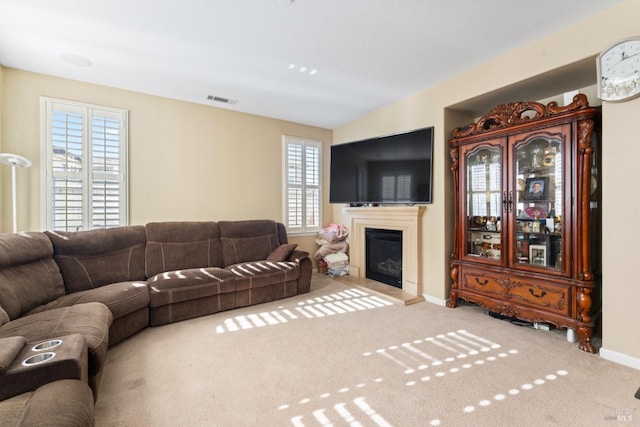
[393,169]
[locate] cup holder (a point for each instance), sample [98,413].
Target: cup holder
[46,345]
[38,358]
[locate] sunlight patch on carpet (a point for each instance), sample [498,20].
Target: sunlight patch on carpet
[444,354]
[347,301]
[357,411]
[347,413]
[455,370]
[420,354]
[512,392]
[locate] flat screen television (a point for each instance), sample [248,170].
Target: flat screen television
[392,169]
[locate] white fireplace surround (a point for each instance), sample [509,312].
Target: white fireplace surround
[402,218]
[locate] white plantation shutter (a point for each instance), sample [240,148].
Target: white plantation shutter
[404,188]
[302,184]
[484,184]
[85,153]
[106,159]
[388,187]
[294,200]
[396,188]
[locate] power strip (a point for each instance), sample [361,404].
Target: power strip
[541,326]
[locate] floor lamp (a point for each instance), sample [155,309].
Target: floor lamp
[14,161]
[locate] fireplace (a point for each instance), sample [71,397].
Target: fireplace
[404,219]
[383,254]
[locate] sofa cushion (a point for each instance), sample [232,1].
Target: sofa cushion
[181,245]
[64,403]
[91,320]
[185,285]
[250,240]
[23,248]
[10,347]
[122,298]
[94,258]
[282,252]
[256,274]
[29,277]
[261,281]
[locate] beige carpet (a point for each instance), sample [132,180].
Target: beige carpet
[342,356]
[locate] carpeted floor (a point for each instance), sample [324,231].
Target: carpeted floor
[343,356]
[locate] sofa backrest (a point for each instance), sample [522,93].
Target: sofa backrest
[250,240]
[93,258]
[29,277]
[181,245]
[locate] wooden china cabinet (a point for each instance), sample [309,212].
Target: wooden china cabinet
[526,214]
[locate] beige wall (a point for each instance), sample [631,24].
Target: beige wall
[187,161]
[620,237]
[437,106]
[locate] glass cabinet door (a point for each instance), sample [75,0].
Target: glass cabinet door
[538,202]
[483,200]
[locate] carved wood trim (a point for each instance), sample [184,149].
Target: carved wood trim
[583,300]
[453,295]
[454,152]
[507,310]
[505,115]
[585,152]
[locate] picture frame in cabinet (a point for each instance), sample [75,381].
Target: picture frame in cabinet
[538,255]
[536,189]
[535,211]
[522,251]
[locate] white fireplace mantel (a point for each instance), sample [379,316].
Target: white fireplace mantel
[402,218]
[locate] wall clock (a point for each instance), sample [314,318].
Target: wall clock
[618,69]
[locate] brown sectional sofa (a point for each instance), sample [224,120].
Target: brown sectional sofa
[108,284]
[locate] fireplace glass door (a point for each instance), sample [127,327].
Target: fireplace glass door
[384,256]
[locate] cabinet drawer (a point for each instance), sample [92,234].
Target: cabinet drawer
[483,282]
[548,296]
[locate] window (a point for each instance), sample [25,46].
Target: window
[302,188]
[84,166]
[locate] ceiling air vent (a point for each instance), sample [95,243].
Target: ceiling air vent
[221,99]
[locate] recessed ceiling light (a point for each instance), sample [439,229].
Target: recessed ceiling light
[303,69]
[76,60]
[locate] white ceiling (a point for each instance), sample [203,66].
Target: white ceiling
[368,53]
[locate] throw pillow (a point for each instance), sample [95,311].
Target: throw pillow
[282,252]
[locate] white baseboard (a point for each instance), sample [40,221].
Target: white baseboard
[434,300]
[622,359]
